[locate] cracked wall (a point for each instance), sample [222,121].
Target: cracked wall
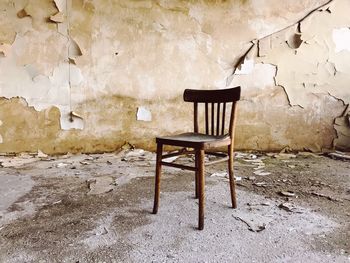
[87,76]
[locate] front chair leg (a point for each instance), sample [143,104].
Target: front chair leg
[201,186]
[232,180]
[157,179]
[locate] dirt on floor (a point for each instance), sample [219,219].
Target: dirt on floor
[97,208]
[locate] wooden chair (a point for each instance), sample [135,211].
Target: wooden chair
[215,136]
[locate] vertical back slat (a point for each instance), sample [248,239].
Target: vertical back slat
[218,119]
[195,114]
[206,119]
[223,119]
[212,118]
[232,118]
[214,124]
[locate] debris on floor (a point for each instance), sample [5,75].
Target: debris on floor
[62,165]
[284,156]
[225,175]
[17,161]
[135,155]
[260,184]
[101,185]
[289,207]
[170,159]
[326,196]
[308,155]
[41,154]
[287,193]
[220,174]
[127,146]
[339,155]
[92,208]
[258,204]
[261,173]
[255,222]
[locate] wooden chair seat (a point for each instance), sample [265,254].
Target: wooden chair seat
[195,140]
[215,137]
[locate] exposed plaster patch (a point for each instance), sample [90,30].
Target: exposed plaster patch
[60,4]
[143,114]
[284,38]
[32,71]
[250,53]
[74,49]
[42,91]
[39,11]
[341,62]
[261,76]
[57,18]
[27,49]
[264,46]
[341,38]
[5,49]
[69,122]
[65,74]
[330,67]
[246,67]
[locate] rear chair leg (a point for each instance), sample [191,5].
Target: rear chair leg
[196,176]
[232,180]
[157,179]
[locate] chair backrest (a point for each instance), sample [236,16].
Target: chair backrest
[215,108]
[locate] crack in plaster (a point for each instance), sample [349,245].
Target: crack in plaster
[300,20]
[338,37]
[255,43]
[203,51]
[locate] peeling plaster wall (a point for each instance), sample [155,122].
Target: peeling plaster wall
[90,75]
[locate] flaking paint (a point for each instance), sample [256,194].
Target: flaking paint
[103,59]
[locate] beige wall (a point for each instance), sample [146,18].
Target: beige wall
[105,60]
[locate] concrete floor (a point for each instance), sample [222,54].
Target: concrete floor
[96,208]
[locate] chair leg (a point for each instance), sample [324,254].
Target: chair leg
[196,176]
[157,179]
[232,180]
[201,184]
